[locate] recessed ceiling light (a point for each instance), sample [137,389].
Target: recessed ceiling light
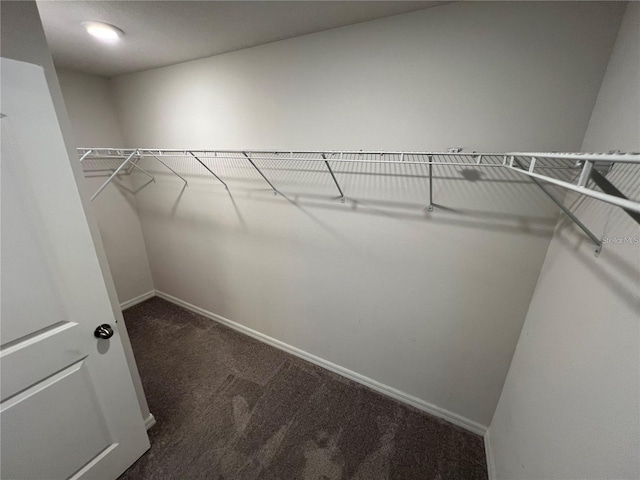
[103,31]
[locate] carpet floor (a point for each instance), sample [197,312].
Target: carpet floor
[230,407]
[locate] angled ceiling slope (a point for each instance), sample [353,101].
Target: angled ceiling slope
[159,33]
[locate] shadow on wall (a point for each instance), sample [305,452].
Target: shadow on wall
[626,177]
[463,196]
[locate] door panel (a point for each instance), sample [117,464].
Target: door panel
[37,414]
[25,259]
[39,355]
[68,407]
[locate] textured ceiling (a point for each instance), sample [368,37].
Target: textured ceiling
[159,33]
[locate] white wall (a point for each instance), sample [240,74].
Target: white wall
[493,75]
[23,39]
[94,122]
[570,404]
[91,109]
[429,304]
[615,122]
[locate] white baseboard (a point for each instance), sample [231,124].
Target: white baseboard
[137,300]
[451,417]
[150,421]
[491,466]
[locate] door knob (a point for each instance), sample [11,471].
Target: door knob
[104,331]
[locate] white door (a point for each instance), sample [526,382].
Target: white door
[68,407]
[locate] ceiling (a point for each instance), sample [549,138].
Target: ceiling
[159,33]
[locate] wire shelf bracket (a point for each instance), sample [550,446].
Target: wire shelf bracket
[334,178]
[210,171]
[275,190]
[186,184]
[567,212]
[129,159]
[585,168]
[430,206]
[113,175]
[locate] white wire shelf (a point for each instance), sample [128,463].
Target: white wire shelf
[582,173]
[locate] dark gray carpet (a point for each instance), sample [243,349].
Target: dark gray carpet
[229,407]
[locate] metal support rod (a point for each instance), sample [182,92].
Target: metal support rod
[210,171]
[430,207]
[85,155]
[334,178]
[134,164]
[275,190]
[603,197]
[568,212]
[585,173]
[116,171]
[174,172]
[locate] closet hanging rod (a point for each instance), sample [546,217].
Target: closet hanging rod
[609,157]
[407,158]
[533,164]
[497,158]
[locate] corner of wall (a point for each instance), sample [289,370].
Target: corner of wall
[118,217]
[525,450]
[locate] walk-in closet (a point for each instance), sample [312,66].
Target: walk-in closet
[360,240]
